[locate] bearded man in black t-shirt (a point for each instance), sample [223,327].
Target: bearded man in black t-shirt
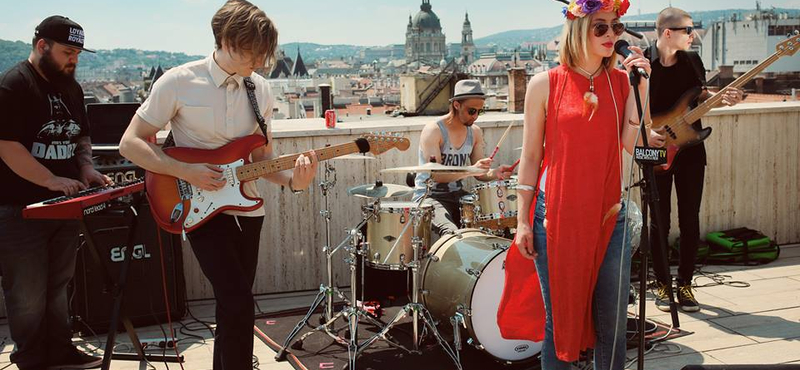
[46,152]
[675,72]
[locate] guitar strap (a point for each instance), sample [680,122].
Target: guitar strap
[251,96]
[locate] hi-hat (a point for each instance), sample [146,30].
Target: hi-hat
[380,190]
[356,157]
[432,167]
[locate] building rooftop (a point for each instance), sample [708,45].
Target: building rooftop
[755,321]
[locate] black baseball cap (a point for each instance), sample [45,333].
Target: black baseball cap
[62,30]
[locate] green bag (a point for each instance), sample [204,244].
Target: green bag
[741,246]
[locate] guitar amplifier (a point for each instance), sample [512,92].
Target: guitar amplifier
[108,122]
[117,167]
[92,299]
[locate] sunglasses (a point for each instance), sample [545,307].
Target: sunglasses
[473,111]
[601,29]
[688,29]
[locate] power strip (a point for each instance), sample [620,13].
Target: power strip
[157,343]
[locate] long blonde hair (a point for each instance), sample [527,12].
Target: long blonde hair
[574,44]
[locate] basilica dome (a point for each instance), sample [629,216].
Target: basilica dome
[426,19]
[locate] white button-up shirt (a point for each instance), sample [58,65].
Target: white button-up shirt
[207,108]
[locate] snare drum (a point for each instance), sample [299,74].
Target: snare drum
[466,274]
[495,204]
[389,234]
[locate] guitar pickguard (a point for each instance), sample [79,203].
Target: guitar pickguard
[204,203]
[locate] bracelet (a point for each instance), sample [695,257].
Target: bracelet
[636,124]
[525,187]
[292,189]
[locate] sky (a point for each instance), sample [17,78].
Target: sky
[184,25]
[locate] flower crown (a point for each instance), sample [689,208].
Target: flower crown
[582,8]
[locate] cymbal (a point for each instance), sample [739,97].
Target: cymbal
[356,157]
[380,190]
[437,168]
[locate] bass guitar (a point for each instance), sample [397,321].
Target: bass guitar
[677,122]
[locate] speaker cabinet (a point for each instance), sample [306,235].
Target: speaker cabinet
[92,299]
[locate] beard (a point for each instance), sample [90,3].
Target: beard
[56,74]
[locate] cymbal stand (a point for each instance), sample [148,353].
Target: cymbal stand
[354,312]
[326,291]
[416,309]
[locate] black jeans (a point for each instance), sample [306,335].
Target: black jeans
[37,258]
[227,252]
[446,213]
[688,178]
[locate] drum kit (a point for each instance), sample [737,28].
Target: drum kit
[457,280]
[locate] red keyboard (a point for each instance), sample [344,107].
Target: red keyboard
[84,203]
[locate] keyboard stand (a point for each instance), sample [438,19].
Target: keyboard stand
[130,216]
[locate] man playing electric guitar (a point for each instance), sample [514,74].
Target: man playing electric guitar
[676,71]
[207,104]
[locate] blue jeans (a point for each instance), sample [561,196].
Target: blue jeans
[37,258]
[609,302]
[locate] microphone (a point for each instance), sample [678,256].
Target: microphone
[621,47]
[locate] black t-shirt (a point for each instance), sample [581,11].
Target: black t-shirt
[668,84]
[47,119]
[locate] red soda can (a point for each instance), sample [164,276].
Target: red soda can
[330,118]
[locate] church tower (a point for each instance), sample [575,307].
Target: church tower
[467,45]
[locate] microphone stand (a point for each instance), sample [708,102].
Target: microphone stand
[650,197]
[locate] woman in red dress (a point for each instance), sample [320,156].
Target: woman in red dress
[578,118]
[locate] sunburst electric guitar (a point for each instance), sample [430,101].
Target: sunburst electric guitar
[677,122]
[178,207]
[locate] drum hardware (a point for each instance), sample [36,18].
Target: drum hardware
[380,190]
[474,272]
[457,321]
[326,291]
[477,346]
[496,246]
[414,308]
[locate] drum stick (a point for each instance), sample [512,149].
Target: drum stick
[501,141]
[513,166]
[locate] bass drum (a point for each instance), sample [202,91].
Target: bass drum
[466,273]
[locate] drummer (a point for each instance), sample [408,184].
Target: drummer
[454,140]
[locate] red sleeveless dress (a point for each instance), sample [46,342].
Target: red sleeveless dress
[582,158]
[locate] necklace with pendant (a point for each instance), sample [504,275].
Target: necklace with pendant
[590,100]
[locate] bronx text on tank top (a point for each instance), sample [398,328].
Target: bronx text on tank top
[451,156]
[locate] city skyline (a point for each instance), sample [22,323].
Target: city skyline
[184,25]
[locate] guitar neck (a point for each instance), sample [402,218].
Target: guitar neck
[255,170]
[715,100]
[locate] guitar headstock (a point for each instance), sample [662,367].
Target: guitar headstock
[789,46]
[380,143]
